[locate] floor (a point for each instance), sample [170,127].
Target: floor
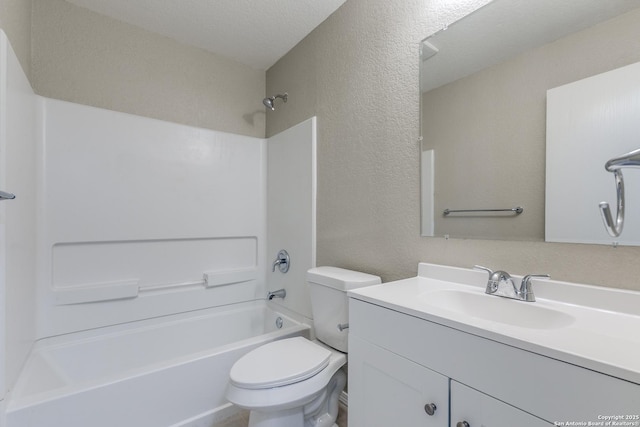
[242,419]
[342,416]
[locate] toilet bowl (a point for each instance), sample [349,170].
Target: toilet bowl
[286,381]
[296,382]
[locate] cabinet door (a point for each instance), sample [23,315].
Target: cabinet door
[388,390]
[480,410]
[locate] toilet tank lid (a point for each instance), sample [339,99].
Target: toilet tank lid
[340,278]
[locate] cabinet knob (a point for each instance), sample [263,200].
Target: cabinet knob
[430,408]
[463,424]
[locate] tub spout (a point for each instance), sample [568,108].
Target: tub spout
[280,293]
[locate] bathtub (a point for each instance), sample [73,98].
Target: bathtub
[169,371]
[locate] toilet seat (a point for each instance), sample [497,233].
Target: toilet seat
[279,363]
[290,396]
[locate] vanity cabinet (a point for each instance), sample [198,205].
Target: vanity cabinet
[477,409]
[398,363]
[388,390]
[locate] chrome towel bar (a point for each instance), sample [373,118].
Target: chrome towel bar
[517,210]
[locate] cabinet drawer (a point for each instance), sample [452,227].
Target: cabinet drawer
[480,410]
[551,389]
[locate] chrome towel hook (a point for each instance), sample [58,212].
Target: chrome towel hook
[614,229]
[630,159]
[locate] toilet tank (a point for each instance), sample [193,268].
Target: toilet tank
[329,304]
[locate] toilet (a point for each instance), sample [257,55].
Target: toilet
[296,382]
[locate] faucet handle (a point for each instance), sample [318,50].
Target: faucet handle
[488,270]
[526,291]
[494,278]
[283,261]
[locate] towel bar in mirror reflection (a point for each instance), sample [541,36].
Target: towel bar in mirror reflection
[517,210]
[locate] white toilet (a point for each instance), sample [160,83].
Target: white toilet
[295,382]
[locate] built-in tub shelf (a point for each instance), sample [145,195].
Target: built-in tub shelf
[131,288]
[97,292]
[223,278]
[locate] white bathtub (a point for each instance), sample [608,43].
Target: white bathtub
[155,373]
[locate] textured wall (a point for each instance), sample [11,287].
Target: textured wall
[87,58]
[358,72]
[15,20]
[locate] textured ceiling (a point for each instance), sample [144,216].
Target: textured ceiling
[254,32]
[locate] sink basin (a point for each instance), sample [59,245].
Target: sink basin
[584,325]
[497,309]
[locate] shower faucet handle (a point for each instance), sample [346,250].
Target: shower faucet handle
[282,261]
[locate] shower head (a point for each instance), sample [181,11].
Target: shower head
[269,102]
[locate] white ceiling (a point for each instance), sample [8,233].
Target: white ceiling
[253,32]
[504,28]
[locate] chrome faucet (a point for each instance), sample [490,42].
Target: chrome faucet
[280,293]
[283,261]
[496,278]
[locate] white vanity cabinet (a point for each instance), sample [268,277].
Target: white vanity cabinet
[388,390]
[477,409]
[398,363]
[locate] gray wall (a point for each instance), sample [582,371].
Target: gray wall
[358,72]
[88,58]
[76,55]
[15,20]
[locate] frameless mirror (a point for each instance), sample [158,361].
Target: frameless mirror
[483,83]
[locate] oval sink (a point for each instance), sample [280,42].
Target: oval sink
[498,309]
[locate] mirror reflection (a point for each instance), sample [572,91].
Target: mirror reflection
[483,87]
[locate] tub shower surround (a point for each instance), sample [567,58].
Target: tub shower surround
[151,259]
[143,218]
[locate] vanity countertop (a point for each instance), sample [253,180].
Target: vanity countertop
[590,326]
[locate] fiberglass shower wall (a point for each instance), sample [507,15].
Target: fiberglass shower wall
[17,217]
[143,218]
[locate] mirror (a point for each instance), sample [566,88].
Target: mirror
[483,83]
[591,123]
